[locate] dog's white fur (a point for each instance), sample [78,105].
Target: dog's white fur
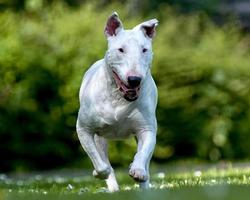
[104,112]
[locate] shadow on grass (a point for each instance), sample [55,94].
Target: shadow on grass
[222,192]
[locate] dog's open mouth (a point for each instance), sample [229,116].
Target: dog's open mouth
[129,93]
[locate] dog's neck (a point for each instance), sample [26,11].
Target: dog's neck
[109,77]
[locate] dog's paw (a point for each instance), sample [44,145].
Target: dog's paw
[138,174]
[102,173]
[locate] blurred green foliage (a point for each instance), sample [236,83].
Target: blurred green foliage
[203,77]
[202,73]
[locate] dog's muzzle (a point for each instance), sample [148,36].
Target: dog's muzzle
[130,92]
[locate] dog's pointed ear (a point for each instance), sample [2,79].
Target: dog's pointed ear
[148,28]
[113,26]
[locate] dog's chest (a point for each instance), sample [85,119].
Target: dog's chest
[119,130]
[114,121]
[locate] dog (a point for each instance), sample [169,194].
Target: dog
[118,98]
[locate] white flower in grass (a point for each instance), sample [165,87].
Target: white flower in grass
[161,175]
[70,187]
[59,179]
[3,177]
[197,173]
[163,186]
[127,188]
[38,177]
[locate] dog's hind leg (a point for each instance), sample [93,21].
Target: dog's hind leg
[102,147]
[102,169]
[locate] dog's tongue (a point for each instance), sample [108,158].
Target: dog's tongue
[130,94]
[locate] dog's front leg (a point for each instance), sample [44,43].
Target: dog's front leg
[139,169]
[102,169]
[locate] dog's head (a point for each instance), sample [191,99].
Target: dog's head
[129,54]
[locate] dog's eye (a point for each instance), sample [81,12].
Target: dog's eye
[121,50]
[144,50]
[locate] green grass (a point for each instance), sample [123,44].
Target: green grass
[210,182]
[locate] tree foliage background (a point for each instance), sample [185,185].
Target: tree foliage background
[202,71]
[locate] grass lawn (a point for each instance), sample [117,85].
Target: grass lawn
[226,181]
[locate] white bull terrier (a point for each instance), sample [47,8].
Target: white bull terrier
[118,98]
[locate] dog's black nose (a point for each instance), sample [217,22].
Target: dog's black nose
[134,81]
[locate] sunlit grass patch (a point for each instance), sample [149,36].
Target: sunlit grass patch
[209,183]
[211,177]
